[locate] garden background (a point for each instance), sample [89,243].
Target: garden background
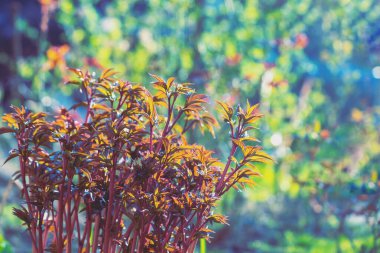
[313,65]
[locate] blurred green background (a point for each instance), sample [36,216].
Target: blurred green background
[313,65]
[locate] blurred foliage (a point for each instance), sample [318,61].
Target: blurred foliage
[5,247]
[310,64]
[9,221]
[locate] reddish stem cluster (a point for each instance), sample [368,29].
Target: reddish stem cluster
[125,179]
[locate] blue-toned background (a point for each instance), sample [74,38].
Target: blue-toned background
[313,65]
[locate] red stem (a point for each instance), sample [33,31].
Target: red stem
[164,132]
[133,245]
[27,198]
[221,180]
[144,232]
[88,232]
[151,138]
[96,234]
[40,232]
[111,188]
[219,186]
[222,190]
[69,227]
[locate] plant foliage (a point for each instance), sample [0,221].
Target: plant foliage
[125,178]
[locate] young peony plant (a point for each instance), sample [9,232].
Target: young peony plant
[125,179]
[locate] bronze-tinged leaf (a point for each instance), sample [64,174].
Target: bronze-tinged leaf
[264,155]
[252,167]
[10,157]
[160,95]
[204,233]
[250,150]
[224,106]
[188,200]
[19,110]
[105,92]
[87,174]
[75,82]
[177,202]
[206,230]
[256,159]
[248,105]
[249,172]
[12,122]
[101,107]
[252,109]
[156,202]
[252,119]
[150,109]
[233,158]
[239,143]
[77,105]
[227,111]
[160,85]
[218,219]
[108,73]
[209,122]
[183,89]
[246,181]
[249,138]
[78,72]
[161,88]
[36,116]
[159,79]
[4,130]
[170,82]
[138,91]
[171,249]
[196,99]
[248,128]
